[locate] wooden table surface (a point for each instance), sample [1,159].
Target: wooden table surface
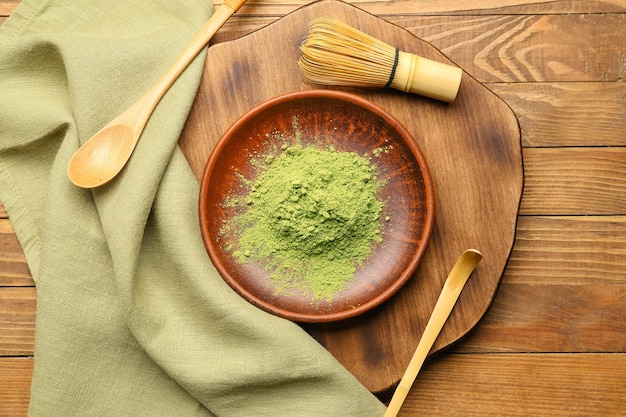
[553,342]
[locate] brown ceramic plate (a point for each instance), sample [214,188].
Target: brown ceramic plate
[348,123]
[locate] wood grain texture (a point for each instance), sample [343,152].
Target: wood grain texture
[497,47]
[568,250]
[462,158]
[553,318]
[17,320]
[560,66]
[564,289]
[569,181]
[512,385]
[559,114]
[560,267]
[450,7]
[516,48]
[557,385]
[7,7]
[529,48]
[15,386]
[13,268]
[270,7]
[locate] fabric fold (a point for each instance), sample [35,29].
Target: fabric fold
[132,317]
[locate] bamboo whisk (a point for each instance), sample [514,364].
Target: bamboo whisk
[335,53]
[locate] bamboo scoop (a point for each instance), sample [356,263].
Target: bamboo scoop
[449,295]
[103,156]
[335,53]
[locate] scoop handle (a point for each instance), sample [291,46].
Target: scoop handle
[447,299]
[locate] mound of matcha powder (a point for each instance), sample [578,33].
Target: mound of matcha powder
[311,218]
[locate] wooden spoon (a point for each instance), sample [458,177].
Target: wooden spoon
[103,156]
[447,299]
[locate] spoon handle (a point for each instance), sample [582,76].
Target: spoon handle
[447,299]
[150,99]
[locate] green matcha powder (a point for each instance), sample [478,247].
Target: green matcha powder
[311,218]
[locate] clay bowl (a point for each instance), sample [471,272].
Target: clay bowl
[348,123]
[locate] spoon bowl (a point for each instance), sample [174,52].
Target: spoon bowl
[103,156]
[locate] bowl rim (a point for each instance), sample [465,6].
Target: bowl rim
[429,196]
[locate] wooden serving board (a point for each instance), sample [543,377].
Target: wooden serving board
[474,153]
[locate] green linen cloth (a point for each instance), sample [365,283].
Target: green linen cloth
[132,318]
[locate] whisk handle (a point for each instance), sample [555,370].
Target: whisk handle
[415,74]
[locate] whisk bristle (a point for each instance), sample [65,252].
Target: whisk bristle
[337,54]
